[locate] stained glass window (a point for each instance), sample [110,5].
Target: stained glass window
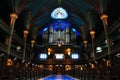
[59,56]
[59,13]
[75,56]
[43,56]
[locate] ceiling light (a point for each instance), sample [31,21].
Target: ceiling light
[18,48]
[45,29]
[73,30]
[98,50]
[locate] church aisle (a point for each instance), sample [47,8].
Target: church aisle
[58,77]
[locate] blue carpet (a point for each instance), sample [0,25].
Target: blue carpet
[58,77]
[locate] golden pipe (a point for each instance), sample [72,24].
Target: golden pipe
[13,16]
[105,24]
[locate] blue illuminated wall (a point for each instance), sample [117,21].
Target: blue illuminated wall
[60,24]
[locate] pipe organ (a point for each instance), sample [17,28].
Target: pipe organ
[64,36]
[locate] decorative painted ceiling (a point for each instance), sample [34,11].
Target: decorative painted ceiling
[82,16]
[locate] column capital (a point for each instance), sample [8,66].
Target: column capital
[14,15]
[104,16]
[85,41]
[25,32]
[92,32]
